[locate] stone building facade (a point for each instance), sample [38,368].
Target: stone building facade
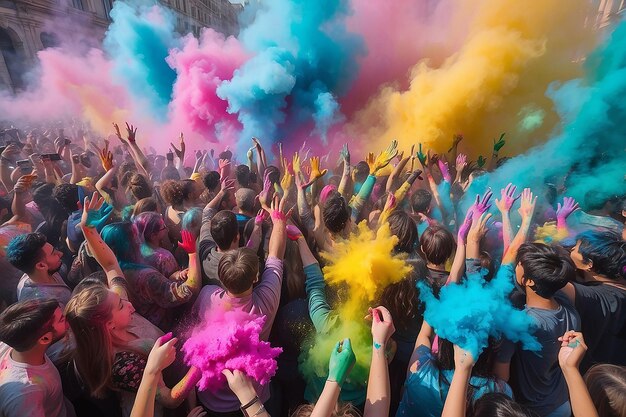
[28,26]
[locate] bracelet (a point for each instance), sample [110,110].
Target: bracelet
[250,404]
[259,411]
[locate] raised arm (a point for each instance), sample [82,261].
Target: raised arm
[497,145]
[392,180]
[378,386]
[93,217]
[456,401]
[345,185]
[573,348]
[342,359]
[194,277]
[563,211]
[504,205]
[526,210]
[279,220]
[18,206]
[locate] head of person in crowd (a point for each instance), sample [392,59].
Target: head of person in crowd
[225,230]
[151,228]
[245,198]
[600,253]
[341,410]
[543,269]
[402,298]
[497,404]
[336,215]
[145,205]
[274,174]
[437,244]
[242,175]
[607,387]
[97,316]
[32,325]
[67,196]
[238,270]
[123,239]
[227,154]
[483,368]
[421,201]
[211,180]
[404,228]
[360,172]
[192,221]
[170,173]
[191,192]
[173,193]
[125,172]
[33,255]
[138,187]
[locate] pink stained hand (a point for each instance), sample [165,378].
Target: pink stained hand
[189,242]
[445,172]
[507,198]
[465,226]
[564,210]
[482,204]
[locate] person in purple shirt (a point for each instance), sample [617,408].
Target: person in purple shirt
[238,271]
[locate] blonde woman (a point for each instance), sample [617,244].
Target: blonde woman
[109,356]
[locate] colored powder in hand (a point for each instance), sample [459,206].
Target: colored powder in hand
[362,265]
[470,312]
[230,340]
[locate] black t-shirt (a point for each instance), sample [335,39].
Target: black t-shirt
[602,312]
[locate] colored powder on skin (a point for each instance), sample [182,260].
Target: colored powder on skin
[511,54]
[230,340]
[138,41]
[363,265]
[470,312]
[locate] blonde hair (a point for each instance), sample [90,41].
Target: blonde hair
[345,410]
[87,313]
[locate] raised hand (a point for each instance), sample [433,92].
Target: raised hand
[461,162]
[463,359]
[342,359]
[266,194]
[479,227]
[223,164]
[295,162]
[568,207]
[382,326]
[279,211]
[188,243]
[180,153]
[507,199]
[118,133]
[24,183]
[481,205]
[162,355]
[481,161]
[227,185]
[420,155]
[344,154]
[383,159]
[497,145]
[315,170]
[106,158]
[260,217]
[391,203]
[445,172]
[527,204]
[455,141]
[465,226]
[286,182]
[573,349]
[92,216]
[132,133]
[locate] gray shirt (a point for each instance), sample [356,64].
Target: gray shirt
[207,250]
[536,377]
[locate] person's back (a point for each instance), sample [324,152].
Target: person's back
[536,378]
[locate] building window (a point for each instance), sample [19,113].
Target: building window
[78,4]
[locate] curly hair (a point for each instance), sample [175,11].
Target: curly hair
[173,192]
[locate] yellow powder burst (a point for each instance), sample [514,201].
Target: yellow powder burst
[513,52]
[364,265]
[549,233]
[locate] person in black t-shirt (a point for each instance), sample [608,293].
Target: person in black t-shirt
[600,297]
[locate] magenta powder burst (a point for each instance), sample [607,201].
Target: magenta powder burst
[230,340]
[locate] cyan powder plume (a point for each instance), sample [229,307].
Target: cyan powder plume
[468,313]
[138,41]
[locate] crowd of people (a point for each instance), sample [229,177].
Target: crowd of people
[111,252]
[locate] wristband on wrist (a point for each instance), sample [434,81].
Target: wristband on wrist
[249,404]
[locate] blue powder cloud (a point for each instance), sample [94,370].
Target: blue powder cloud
[305,59]
[468,313]
[138,41]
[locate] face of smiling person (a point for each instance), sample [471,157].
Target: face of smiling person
[122,311]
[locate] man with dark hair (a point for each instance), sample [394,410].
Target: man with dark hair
[242,175]
[537,379]
[40,262]
[421,206]
[219,233]
[600,295]
[30,383]
[336,215]
[245,199]
[238,271]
